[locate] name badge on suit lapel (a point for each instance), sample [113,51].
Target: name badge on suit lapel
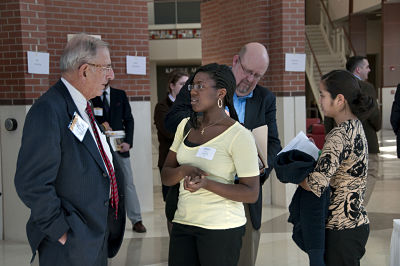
[98,111]
[78,126]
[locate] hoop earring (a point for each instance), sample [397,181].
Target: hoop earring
[219,103]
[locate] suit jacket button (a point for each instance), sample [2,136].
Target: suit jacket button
[106,203]
[104,174]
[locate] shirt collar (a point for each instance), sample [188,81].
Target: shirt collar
[108,90]
[171,97]
[357,76]
[250,95]
[76,95]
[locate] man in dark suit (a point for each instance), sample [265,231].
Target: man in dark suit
[65,170]
[255,106]
[113,111]
[359,66]
[395,118]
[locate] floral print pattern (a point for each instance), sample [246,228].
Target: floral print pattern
[343,166]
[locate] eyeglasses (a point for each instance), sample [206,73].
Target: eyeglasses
[105,68]
[248,72]
[195,87]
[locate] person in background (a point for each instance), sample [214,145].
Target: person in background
[255,106]
[210,219]
[395,118]
[65,173]
[113,111]
[359,67]
[342,165]
[177,78]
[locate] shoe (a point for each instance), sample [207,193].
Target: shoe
[139,227]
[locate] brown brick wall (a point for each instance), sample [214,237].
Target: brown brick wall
[27,24]
[279,25]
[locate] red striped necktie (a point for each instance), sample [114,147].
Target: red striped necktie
[111,173]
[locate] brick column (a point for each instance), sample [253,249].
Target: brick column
[22,29]
[43,25]
[279,25]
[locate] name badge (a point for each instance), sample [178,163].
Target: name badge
[98,111]
[78,126]
[206,153]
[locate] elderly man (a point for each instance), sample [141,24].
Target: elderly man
[255,106]
[65,172]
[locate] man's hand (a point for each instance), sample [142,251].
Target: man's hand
[124,147]
[107,126]
[63,239]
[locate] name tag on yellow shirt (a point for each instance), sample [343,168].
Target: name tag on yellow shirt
[206,153]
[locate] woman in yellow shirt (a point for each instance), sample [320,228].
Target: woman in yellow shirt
[209,220]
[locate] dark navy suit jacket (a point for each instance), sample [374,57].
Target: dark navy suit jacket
[307,211]
[395,118]
[65,184]
[120,114]
[260,110]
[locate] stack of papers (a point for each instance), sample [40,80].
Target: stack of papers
[116,138]
[302,143]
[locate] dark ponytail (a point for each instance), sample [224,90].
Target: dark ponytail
[345,83]
[224,78]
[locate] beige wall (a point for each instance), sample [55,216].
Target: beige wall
[339,9]
[182,50]
[15,214]
[360,5]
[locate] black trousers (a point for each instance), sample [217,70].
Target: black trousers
[192,246]
[345,247]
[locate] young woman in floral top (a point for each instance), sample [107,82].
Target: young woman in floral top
[343,166]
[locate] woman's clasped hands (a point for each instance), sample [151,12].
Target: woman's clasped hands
[195,179]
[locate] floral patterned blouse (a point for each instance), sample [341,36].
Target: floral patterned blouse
[343,166]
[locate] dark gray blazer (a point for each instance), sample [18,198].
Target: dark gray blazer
[65,184]
[260,110]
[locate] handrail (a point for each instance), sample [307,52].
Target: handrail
[334,27]
[313,54]
[349,40]
[327,13]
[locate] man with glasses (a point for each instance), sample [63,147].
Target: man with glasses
[255,106]
[65,169]
[113,111]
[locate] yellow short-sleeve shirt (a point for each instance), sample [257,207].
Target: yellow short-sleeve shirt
[231,153]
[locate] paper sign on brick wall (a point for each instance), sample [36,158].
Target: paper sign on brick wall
[136,65]
[38,63]
[295,62]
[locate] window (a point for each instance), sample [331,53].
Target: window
[176,11]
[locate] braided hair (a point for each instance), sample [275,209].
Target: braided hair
[224,78]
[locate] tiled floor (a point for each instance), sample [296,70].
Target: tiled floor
[276,247]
